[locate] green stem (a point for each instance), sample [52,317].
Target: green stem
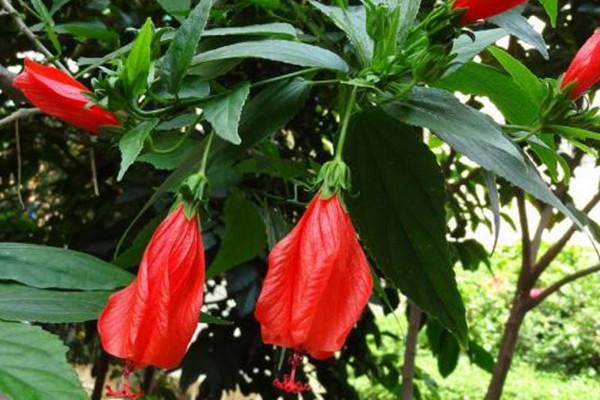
[171,149]
[345,122]
[209,139]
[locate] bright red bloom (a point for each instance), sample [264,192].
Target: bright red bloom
[318,283]
[57,94]
[585,67]
[482,9]
[151,321]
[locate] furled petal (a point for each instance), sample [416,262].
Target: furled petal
[585,67]
[151,322]
[57,94]
[318,282]
[482,9]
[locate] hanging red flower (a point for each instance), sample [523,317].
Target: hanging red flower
[584,71]
[482,9]
[151,321]
[318,283]
[57,94]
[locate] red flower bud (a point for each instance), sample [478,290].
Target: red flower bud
[151,321]
[318,283]
[584,71]
[57,94]
[482,9]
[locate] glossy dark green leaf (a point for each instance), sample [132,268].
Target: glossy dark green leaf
[531,85]
[276,29]
[192,88]
[224,113]
[284,51]
[171,160]
[481,357]
[88,30]
[484,80]
[24,303]
[353,21]
[517,25]
[471,254]
[404,230]
[33,365]
[137,64]
[181,50]
[245,235]
[466,48]
[444,346]
[55,267]
[476,136]
[132,143]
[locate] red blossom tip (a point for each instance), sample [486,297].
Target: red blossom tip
[289,383]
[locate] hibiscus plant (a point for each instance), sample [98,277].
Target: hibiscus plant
[301,230]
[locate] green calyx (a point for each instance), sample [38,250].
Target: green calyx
[191,193]
[333,177]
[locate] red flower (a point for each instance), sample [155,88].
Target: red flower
[57,94]
[585,67]
[151,322]
[482,9]
[318,283]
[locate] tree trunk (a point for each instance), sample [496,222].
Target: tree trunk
[507,348]
[410,351]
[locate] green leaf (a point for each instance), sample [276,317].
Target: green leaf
[445,346]
[404,230]
[531,84]
[471,254]
[178,8]
[224,113]
[181,50]
[55,267]
[192,88]
[24,303]
[481,357]
[476,136]
[57,5]
[278,29]
[353,21]
[409,9]
[484,80]
[490,183]
[245,235]
[172,159]
[466,48]
[573,132]
[88,30]
[132,143]
[33,365]
[285,51]
[270,5]
[517,25]
[551,7]
[137,64]
[133,255]
[45,17]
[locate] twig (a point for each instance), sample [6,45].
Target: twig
[555,249]
[7,5]
[410,351]
[559,284]
[21,113]
[19,164]
[94,172]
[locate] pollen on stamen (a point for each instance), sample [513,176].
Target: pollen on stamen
[289,383]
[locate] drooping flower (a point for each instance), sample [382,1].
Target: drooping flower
[584,71]
[482,9]
[57,94]
[317,284]
[151,321]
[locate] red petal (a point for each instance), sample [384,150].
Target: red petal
[151,322]
[318,283]
[57,94]
[482,9]
[585,67]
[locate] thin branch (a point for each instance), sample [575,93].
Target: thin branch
[19,164]
[410,351]
[7,5]
[525,236]
[557,247]
[565,281]
[21,113]
[453,187]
